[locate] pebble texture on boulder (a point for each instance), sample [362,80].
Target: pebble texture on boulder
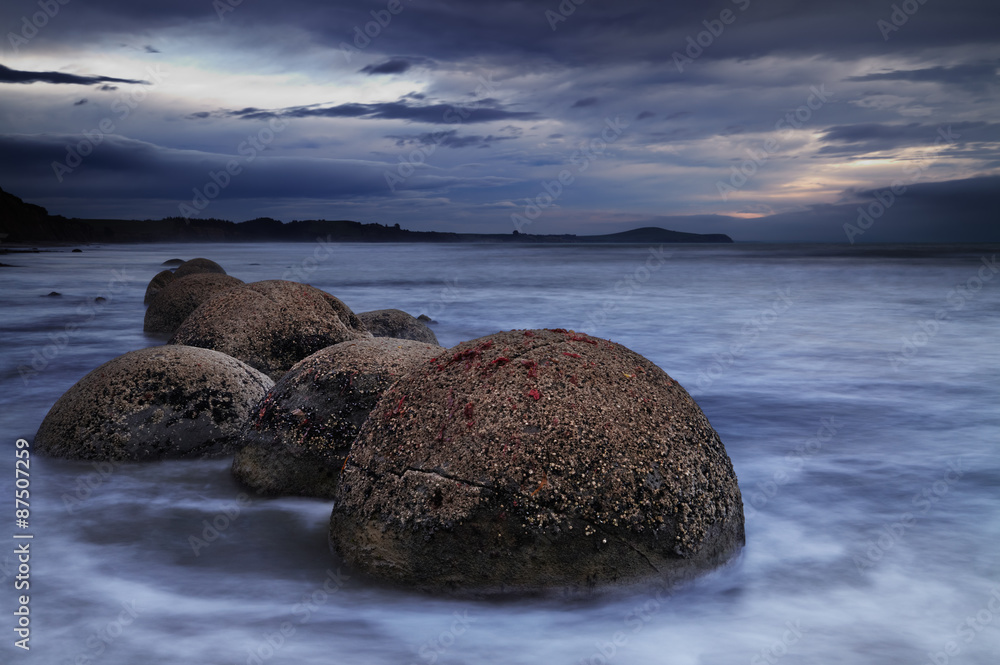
[270,325]
[398,324]
[157,284]
[195,266]
[177,300]
[298,439]
[533,460]
[155,403]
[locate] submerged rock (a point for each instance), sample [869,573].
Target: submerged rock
[195,266]
[398,324]
[156,403]
[180,297]
[532,460]
[300,434]
[270,325]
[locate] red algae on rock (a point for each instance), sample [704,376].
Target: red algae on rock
[533,472]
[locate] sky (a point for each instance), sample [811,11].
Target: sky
[770,120]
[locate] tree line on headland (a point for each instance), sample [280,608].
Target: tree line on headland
[22,222]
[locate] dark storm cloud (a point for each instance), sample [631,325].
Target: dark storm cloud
[973,76]
[392,66]
[8,75]
[449,139]
[486,110]
[865,138]
[891,91]
[630,31]
[150,49]
[80,102]
[940,212]
[120,167]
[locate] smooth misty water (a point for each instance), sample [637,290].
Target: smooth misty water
[872,485]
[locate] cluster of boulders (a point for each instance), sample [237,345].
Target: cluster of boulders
[522,461]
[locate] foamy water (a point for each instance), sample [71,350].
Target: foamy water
[856,391]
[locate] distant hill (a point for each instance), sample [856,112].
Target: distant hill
[27,223]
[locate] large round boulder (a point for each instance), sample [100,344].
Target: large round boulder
[533,460]
[304,427]
[270,325]
[177,300]
[156,403]
[398,324]
[195,266]
[157,284]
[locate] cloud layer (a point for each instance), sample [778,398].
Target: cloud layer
[763,120]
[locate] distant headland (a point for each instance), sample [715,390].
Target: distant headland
[22,223]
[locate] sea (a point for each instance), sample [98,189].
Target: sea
[856,389]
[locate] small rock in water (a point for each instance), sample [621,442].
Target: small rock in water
[397,324]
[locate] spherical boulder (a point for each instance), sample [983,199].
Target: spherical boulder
[298,439]
[270,325]
[536,460]
[195,266]
[397,324]
[175,302]
[172,262]
[157,284]
[155,403]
